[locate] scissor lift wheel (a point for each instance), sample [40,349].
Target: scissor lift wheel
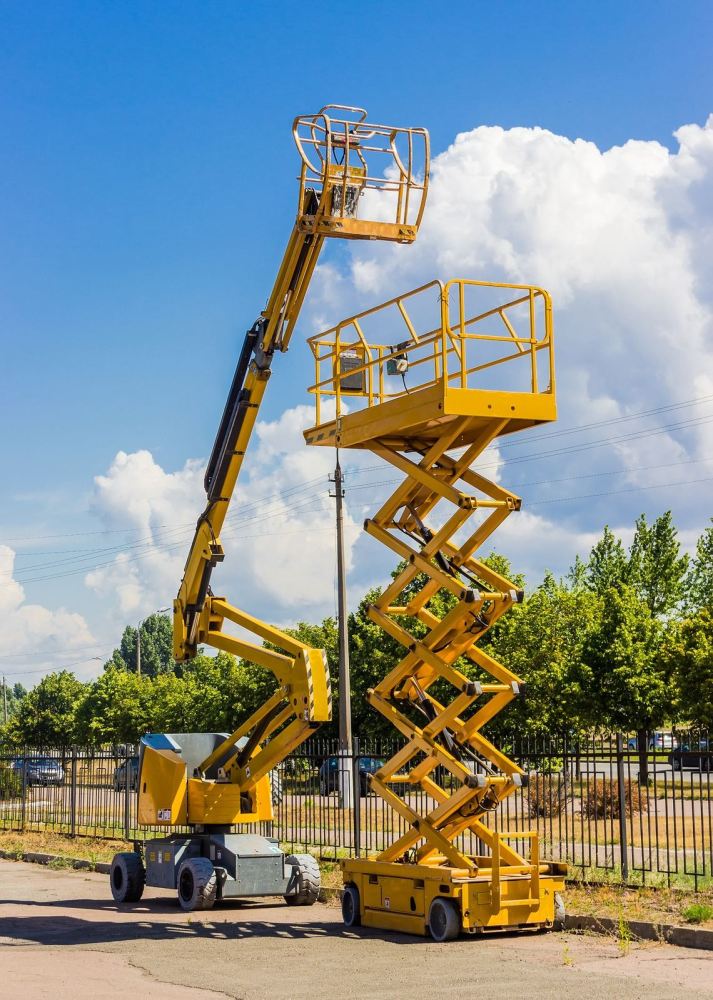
[351,906]
[444,920]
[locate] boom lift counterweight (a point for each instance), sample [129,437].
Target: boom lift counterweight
[213,781]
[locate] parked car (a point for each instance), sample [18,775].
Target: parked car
[696,755]
[39,770]
[656,741]
[119,780]
[329,773]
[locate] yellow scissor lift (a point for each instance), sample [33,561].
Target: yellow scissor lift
[427,381]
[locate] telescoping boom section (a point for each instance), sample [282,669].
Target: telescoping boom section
[431,379]
[357,181]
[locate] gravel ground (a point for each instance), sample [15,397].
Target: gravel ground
[90,948]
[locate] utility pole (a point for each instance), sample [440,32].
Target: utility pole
[345,705]
[4,699]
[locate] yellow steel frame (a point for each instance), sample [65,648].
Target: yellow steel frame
[342,157]
[445,689]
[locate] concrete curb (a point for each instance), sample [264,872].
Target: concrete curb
[642,930]
[32,857]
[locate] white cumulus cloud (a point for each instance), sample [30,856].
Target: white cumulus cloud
[34,638]
[622,239]
[279,535]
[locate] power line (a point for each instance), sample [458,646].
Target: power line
[610,420]
[45,670]
[38,652]
[612,493]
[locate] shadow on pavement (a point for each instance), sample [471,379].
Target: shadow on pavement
[137,925]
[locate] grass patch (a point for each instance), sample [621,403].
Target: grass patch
[658,906]
[698,913]
[83,848]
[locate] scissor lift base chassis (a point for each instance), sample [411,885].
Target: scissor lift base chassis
[398,897]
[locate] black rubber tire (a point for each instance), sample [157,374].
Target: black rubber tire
[308,877]
[127,877]
[443,920]
[351,906]
[676,764]
[197,885]
[560,913]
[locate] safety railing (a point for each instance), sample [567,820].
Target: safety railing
[458,335]
[384,167]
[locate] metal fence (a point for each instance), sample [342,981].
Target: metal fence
[584,797]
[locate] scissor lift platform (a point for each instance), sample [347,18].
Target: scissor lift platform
[429,393]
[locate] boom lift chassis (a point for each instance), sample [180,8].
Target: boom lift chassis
[199,786]
[474,379]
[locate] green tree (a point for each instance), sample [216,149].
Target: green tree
[656,568]
[47,715]
[608,563]
[116,709]
[156,647]
[698,585]
[688,651]
[629,684]
[13,695]
[542,641]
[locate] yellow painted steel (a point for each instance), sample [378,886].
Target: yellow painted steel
[466,363]
[342,157]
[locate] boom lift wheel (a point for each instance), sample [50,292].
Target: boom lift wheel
[197,884]
[127,877]
[308,880]
[351,906]
[443,920]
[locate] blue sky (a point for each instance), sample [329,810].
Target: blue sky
[147,192]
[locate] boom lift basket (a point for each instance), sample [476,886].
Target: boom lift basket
[350,163]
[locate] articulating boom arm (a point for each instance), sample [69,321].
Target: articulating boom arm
[337,155]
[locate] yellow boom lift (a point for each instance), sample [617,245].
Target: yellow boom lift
[357,181]
[431,379]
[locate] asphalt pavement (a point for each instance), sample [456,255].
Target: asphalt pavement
[62,937]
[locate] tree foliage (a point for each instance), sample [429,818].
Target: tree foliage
[699,580]
[656,568]
[156,647]
[47,715]
[628,686]
[542,641]
[688,650]
[608,563]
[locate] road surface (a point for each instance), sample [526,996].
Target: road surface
[62,937]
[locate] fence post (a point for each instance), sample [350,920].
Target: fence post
[73,794]
[23,813]
[623,839]
[356,798]
[127,793]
